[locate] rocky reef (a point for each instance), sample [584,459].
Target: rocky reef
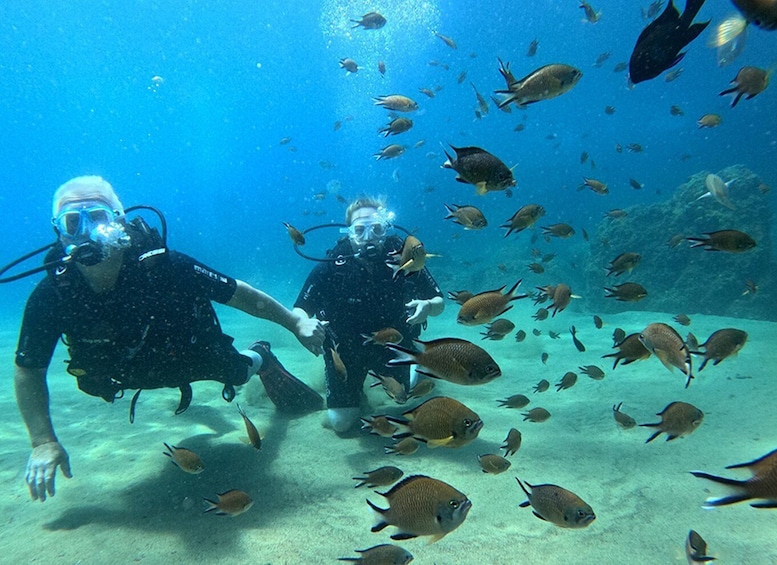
[681,279]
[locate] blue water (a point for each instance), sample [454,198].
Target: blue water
[204,142]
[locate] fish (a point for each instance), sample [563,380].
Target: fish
[230,503]
[544,357]
[692,342]
[447,40]
[524,218]
[520,335]
[541,314]
[421,388]
[542,386]
[675,110]
[561,296]
[382,68]
[185,459]
[514,401]
[253,434]
[598,323]
[440,421]
[349,65]
[296,236]
[460,296]
[380,477]
[591,15]
[623,263]
[731,241]
[370,20]
[578,344]
[677,419]
[592,371]
[406,446]
[634,148]
[596,186]
[391,386]
[505,109]
[482,104]
[557,505]
[761,485]
[462,77]
[762,13]
[544,83]
[468,216]
[583,157]
[658,46]
[696,549]
[560,230]
[410,259]
[382,337]
[749,82]
[567,381]
[485,306]
[429,93]
[493,464]
[337,361]
[609,110]
[396,126]
[379,426]
[422,506]
[390,152]
[397,103]
[722,344]
[536,415]
[666,344]
[480,168]
[623,420]
[285,141]
[675,240]
[673,75]
[682,319]
[618,335]
[653,9]
[383,554]
[554,335]
[512,442]
[626,292]
[630,349]
[751,287]
[498,329]
[532,50]
[718,189]
[620,67]
[729,39]
[536,268]
[709,121]
[602,59]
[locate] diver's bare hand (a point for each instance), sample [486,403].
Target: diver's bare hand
[310,332]
[42,468]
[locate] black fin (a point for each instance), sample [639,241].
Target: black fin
[186,398]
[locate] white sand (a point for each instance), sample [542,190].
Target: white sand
[128,504]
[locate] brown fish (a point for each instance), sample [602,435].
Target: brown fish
[455,360]
[349,65]
[439,422]
[524,218]
[591,15]
[397,103]
[696,549]
[626,292]
[561,230]
[666,344]
[383,554]
[520,335]
[677,419]
[536,415]
[562,296]
[514,401]
[460,296]
[468,216]
[544,83]
[498,329]
[623,420]
[541,314]
[617,213]
[709,121]
[512,442]
[623,263]
[485,306]
[692,342]
[592,371]
[447,40]
[230,503]
[732,241]
[478,167]
[382,337]
[253,434]
[380,477]
[379,426]
[536,268]
[557,505]
[370,20]
[598,323]
[185,459]
[567,381]
[421,388]
[390,152]
[296,236]
[493,464]
[630,349]
[410,259]
[722,344]
[406,446]
[682,319]
[618,335]
[422,506]
[596,186]
[749,82]
[337,361]
[762,485]
[542,386]
[396,126]
[382,67]
[391,386]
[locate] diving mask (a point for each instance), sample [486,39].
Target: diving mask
[79,222]
[372,228]
[91,231]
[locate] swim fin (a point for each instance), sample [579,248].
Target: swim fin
[287,392]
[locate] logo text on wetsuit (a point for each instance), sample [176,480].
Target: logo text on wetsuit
[210,274]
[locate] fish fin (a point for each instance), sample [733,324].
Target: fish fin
[526,492]
[525,504]
[404,356]
[538,516]
[401,535]
[725,500]
[717,479]
[705,195]
[670,437]
[435,538]
[213,506]
[439,442]
[764,505]
[377,527]
[480,188]
[655,435]
[663,356]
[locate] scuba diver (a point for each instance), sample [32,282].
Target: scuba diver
[135,315]
[355,291]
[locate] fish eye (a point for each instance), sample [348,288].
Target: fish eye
[467,422]
[454,504]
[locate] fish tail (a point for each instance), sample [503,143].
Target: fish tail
[655,435]
[211,505]
[404,356]
[377,527]
[523,488]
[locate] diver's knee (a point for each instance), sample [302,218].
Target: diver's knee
[343,419]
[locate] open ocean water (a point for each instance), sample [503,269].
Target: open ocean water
[233,117]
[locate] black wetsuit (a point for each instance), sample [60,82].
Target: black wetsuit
[358,296]
[156,328]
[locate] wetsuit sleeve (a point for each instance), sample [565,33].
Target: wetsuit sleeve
[201,279]
[40,328]
[311,297]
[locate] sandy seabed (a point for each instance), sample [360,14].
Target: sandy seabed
[127,504]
